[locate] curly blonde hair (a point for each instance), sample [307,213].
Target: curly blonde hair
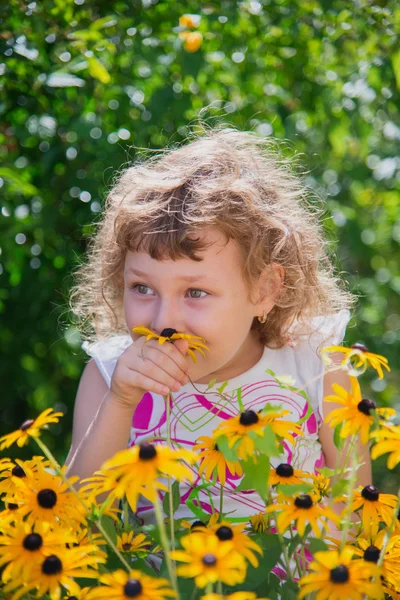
[228,179]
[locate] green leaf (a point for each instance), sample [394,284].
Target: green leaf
[339,487]
[222,387]
[255,476]
[336,436]
[109,527]
[268,443]
[176,499]
[16,184]
[326,471]
[316,545]
[211,384]
[258,576]
[396,68]
[297,488]
[223,447]
[98,70]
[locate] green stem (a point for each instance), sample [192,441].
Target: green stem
[347,512]
[281,540]
[97,522]
[221,501]
[219,587]
[166,546]
[296,557]
[168,400]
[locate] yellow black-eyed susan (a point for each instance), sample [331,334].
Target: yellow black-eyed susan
[284,473]
[375,506]
[387,439]
[121,585]
[259,522]
[299,511]
[170,335]
[359,356]
[242,542]
[336,576]
[137,471]
[46,497]
[30,428]
[234,596]
[321,485]
[127,541]
[213,460]
[356,414]
[370,549]
[238,428]
[55,572]
[22,546]
[209,560]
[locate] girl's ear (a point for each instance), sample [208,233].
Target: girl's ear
[269,287]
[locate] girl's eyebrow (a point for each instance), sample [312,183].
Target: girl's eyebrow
[188,278]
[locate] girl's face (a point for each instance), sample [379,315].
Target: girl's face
[207,298]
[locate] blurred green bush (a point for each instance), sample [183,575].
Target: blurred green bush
[85,83]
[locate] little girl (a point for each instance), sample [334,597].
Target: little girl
[212,239]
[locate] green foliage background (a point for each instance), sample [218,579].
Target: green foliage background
[84,82]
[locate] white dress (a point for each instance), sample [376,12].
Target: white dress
[195,413]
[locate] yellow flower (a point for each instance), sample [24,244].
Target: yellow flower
[302,509]
[30,428]
[192,40]
[356,412]
[136,471]
[242,543]
[213,460]
[129,542]
[234,596]
[259,522]
[120,585]
[209,560]
[284,473]
[54,572]
[336,577]
[22,546]
[237,429]
[370,550]
[169,335]
[389,441]
[321,486]
[10,471]
[375,506]
[46,497]
[189,21]
[360,357]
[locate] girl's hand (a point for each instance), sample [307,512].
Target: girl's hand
[149,367]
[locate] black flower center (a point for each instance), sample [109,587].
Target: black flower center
[372,554]
[197,524]
[52,565]
[132,588]
[168,331]
[72,598]
[248,417]
[26,424]
[339,574]
[370,492]
[12,506]
[224,533]
[284,470]
[126,547]
[360,347]
[365,406]
[209,560]
[32,542]
[18,471]
[47,498]
[303,501]
[147,452]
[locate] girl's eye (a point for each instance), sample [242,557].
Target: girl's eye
[197,292]
[139,287]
